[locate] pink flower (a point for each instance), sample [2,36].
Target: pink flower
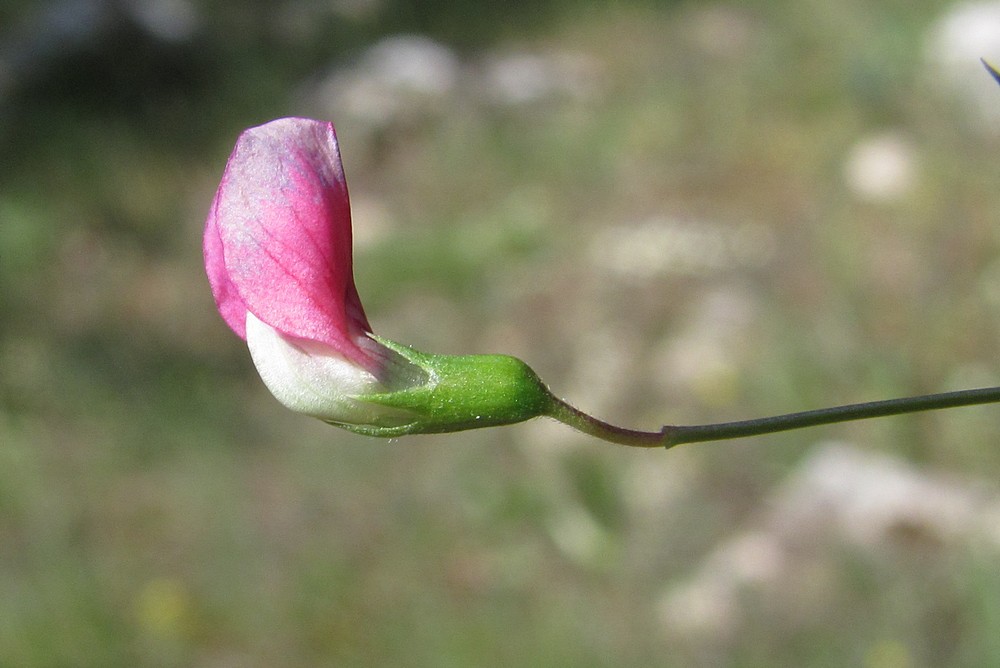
[278,258]
[278,237]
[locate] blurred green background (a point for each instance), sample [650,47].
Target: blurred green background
[675,212]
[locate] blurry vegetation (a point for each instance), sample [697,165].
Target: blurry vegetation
[158,508]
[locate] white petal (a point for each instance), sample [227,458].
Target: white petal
[314,379]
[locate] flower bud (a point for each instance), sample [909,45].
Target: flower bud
[278,257]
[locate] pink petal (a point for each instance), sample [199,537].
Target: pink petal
[278,237]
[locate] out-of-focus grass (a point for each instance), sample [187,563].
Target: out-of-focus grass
[157,507]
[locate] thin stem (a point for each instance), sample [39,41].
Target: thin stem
[588,424]
[672,435]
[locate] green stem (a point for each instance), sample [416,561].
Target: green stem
[672,435]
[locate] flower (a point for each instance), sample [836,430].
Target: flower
[278,257]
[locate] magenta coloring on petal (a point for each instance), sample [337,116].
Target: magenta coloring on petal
[278,237]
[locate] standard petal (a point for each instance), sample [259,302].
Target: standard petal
[281,224]
[227,297]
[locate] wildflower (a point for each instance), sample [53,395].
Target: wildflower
[279,260]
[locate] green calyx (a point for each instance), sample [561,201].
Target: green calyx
[462,392]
